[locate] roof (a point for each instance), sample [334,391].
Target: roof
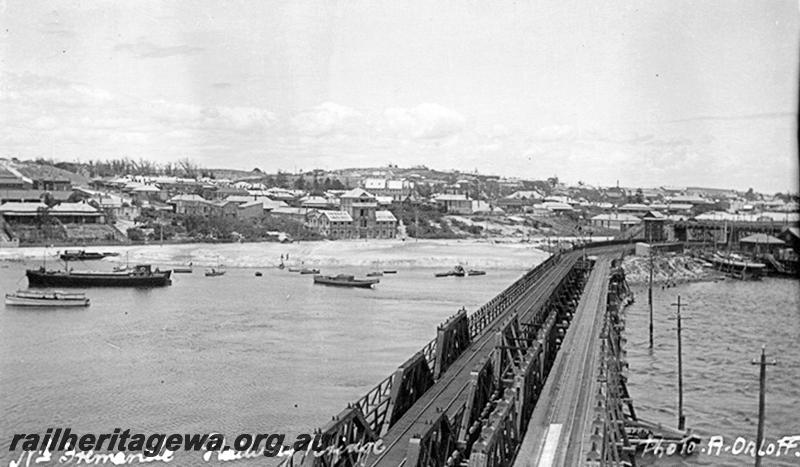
[384,216]
[241,198]
[356,193]
[394,184]
[556,206]
[375,183]
[21,208]
[525,194]
[337,216]
[192,197]
[449,197]
[793,231]
[271,204]
[147,189]
[633,207]
[289,211]
[761,239]
[82,208]
[654,215]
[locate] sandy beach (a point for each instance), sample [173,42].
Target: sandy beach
[357,253]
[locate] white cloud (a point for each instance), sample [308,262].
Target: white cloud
[326,119]
[425,121]
[555,133]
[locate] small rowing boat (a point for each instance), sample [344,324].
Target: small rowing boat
[46,299]
[213,272]
[374,274]
[476,272]
[309,271]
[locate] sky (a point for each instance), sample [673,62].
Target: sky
[640,93]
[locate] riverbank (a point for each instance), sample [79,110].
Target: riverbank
[668,270]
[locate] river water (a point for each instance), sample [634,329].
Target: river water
[724,324]
[230,354]
[245,354]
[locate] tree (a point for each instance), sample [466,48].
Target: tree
[300,183]
[135,234]
[281,180]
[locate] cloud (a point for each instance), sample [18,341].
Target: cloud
[555,133]
[145,49]
[93,120]
[425,121]
[326,119]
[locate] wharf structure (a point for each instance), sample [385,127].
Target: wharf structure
[533,377]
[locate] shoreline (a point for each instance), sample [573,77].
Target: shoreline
[369,255]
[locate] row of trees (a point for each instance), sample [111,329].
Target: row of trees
[126,166]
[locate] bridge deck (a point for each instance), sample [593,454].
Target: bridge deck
[555,433]
[448,394]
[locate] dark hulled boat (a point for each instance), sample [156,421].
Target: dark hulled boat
[141,275]
[345,280]
[83,255]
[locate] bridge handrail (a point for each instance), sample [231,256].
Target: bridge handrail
[497,305]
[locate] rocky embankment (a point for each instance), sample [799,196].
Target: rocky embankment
[666,269]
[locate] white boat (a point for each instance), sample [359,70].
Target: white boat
[46,299]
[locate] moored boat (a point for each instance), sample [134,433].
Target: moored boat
[476,272]
[83,255]
[141,275]
[390,271]
[345,280]
[375,274]
[186,269]
[46,299]
[213,272]
[738,267]
[309,271]
[457,271]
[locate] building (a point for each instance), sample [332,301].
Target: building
[191,205]
[367,220]
[66,213]
[654,223]
[616,221]
[77,213]
[453,204]
[331,224]
[398,190]
[761,243]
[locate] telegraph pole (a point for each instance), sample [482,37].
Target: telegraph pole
[650,296]
[761,396]
[681,418]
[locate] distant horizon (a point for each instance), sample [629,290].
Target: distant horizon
[696,93]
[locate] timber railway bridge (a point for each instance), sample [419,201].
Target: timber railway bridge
[533,377]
